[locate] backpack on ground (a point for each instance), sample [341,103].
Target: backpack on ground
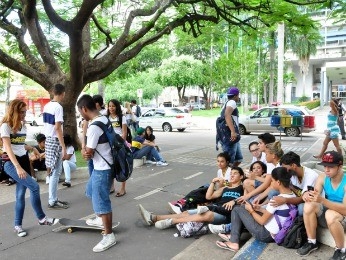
[195,198]
[122,156]
[192,228]
[138,111]
[283,229]
[296,236]
[223,133]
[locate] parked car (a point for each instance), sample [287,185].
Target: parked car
[166,118]
[195,106]
[260,120]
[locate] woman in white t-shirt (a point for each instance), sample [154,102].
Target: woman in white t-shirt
[118,121]
[260,222]
[69,161]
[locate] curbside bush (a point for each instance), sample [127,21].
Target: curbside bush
[311,104]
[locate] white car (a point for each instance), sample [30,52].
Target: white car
[166,118]
[260,120]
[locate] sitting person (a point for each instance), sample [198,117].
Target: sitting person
[260,222]
[216,213]
[38,155]
[255,177]
[257,154]
[328,211]
[150,137]
[141,147]
[302,178]
[223,174]
[69,161]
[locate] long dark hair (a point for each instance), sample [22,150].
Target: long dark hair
[146,136]
[262,164]
[283,175]
[118,110]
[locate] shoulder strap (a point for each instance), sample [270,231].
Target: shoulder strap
[104,128]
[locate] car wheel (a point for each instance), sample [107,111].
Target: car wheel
[34,123]
[292,131]
[242,130]
[166,127]
[181,129]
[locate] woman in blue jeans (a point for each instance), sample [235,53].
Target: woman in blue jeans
[260,222]
[13,134]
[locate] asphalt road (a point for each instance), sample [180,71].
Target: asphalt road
[192,163]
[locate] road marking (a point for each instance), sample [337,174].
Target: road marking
[252,251]
[148,194]
[193,175]
[151,175]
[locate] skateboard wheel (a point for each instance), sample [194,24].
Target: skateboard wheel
[70,230]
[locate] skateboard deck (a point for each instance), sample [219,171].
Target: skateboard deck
[72,224]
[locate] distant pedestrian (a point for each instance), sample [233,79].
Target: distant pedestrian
[13,134]
[69,161]
[341,121]
[136,110]
[98,150]
[55,146]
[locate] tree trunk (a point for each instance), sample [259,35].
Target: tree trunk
[272,67]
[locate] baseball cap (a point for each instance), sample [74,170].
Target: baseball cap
[140,130]
[331,158]
[233,91]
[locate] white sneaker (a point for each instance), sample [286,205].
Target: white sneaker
[161,164]
[95,222]
[174,209]
[107,241]
[216,229]
[150,162]
[20,231]
[163,224]
[146,215]
[47,180]
[202,209]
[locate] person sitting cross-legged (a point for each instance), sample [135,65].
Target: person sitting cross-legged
[329,210]
[216,213]
[141,147]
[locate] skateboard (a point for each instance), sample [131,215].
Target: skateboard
[72,224]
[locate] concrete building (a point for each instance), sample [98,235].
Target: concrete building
[327,69]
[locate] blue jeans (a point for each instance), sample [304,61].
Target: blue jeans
[90,166]
[97,190]
[22,185]
[234,152]
[218,218]
[54,181]
[68,168]
[149,152]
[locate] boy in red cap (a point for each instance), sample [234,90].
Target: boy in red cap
[328,210]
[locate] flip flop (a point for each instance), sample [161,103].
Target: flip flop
[223,245]
[119,194]
[224,237]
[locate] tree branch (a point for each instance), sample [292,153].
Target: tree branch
[84,13]
[60,23]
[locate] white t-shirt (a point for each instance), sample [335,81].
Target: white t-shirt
[231,103]
[93,135]
[309,178]
[263,158]
[271,167]
[116,124]
[227,174]
[272,226]
[134,111]
[70,150]
[17,140]
[52,112]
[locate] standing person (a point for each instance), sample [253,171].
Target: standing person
[329,209]
[232,117]
[55,146]
[136,110]
[13,134]
[69,161]
[341,122]
[101,179]
[118,121]
[333,130]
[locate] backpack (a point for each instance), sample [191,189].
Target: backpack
[194,198]
[122,156]
[283,229]
[192,228]
[296,236]
[223,133]
[138,111]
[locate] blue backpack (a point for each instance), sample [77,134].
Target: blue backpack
[122,156]
[223,133]
[283,229]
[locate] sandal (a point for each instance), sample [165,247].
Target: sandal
[120,194]
[223,245]
[224,237]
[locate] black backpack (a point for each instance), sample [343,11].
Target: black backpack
[138,111]
[122,156]
[296,236]
[195,197]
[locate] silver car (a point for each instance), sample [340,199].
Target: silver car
[260,120]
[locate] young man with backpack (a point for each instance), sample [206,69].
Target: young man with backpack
[329,210]
[136,110]
[98,149]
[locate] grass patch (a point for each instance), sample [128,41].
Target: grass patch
[215,112]
[80,160]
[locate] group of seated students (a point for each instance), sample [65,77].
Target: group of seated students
[274,181]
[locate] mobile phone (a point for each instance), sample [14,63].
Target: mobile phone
[310,188]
